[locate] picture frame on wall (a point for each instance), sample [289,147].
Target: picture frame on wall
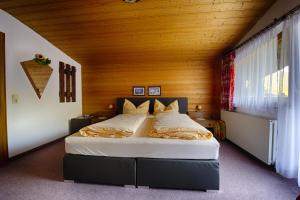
[154,91]
[138,91]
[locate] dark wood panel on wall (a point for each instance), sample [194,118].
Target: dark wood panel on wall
[67,83]
[3,125]
[62,82]
[68,88]
[73,85]
[102,84]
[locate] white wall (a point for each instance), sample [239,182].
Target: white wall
[279,8]
[32,121]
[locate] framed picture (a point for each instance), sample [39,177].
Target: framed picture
[154,91]
[138,91]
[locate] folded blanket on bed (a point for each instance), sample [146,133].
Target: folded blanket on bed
[178,126]
[123,125]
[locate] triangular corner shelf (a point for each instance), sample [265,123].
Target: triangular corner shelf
[38,75]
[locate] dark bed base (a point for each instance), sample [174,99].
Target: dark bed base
[156,173]
[99,169]
[178,174]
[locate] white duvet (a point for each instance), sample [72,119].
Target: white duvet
[123,125]
[178,126]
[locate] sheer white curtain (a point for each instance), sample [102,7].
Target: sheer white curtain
[256,87]
[288,142]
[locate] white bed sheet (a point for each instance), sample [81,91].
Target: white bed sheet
[140,145]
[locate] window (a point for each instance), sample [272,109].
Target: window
[276,84]
[257,75]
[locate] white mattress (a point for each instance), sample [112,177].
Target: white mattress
[140,145]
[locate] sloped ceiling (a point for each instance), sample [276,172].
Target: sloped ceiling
[150,30]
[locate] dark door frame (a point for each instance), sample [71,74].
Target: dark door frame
[3,122]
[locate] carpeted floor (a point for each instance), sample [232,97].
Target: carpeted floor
[38,176]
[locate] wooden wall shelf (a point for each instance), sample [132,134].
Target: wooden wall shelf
[38,75]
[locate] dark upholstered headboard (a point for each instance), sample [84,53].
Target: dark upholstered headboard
[182,102]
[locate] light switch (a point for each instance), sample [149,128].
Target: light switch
[15,98]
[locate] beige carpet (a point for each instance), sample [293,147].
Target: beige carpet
[38,176]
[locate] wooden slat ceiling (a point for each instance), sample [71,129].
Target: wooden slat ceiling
[150,30]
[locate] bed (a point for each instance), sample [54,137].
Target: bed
[142,161]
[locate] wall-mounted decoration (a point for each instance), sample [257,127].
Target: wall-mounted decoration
[67,83]
[38,72]
[138,91]
[153,90]
[40,59]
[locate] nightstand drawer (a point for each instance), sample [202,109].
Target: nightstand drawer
[207,123]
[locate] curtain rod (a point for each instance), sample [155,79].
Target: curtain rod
[274,23]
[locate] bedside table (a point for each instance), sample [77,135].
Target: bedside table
[207,123]
[96,119]
[79,122]
[196,115]
[217,127]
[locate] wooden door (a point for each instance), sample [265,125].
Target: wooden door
[3,126]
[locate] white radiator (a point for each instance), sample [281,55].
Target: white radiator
[254,134]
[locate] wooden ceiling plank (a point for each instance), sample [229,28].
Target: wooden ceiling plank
[116,32]
[116,13]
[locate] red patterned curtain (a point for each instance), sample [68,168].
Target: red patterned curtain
[227,82]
